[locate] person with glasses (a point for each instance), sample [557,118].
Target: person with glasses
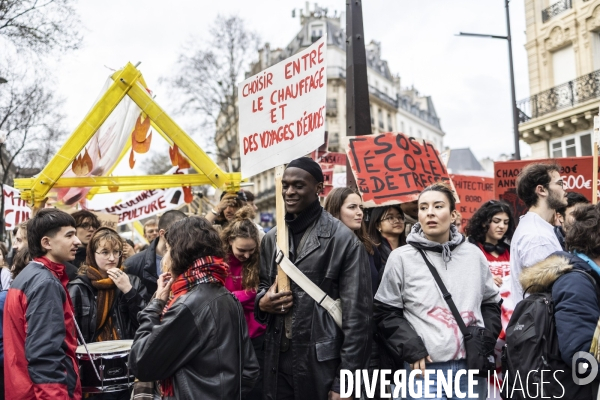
[105,299]
[386,229]
[540,187]
[86,224]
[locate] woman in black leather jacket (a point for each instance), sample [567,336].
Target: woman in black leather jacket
[105,299]
[193,337]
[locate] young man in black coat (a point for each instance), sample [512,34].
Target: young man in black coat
[304,348]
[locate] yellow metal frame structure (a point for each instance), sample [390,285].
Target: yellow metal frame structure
[126,82]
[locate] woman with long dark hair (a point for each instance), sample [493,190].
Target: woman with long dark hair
[346,205]
[491,229]
[192,336]
[413,318]
[241,240]
[386,229]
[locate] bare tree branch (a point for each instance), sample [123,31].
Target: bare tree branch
[40,26]
[207,74]
[29,115]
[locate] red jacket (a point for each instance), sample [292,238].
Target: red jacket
[39,336]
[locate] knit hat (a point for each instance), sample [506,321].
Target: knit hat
[310,166]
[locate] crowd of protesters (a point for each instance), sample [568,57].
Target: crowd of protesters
[209,318]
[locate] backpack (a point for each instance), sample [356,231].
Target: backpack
[532,346]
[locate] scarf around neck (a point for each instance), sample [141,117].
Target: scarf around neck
[204,270]
[104,302]
[417,239]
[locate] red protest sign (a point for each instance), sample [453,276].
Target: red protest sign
[392,168]
[334,158]
[576,173]
[472,191]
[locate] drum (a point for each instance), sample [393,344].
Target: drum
[110,360]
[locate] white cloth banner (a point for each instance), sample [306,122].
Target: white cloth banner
[146,204]
[282,110]
[15,209]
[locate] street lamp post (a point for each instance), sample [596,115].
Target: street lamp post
[515,111]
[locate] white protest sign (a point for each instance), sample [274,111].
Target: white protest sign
[146,204]
[282,110]
[15,209]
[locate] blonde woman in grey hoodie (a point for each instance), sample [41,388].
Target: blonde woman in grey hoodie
[413,319]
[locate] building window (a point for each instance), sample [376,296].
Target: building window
[402,126]
[380,118]
[316,31]
[389,123]
[563,65]
[585,142]
[576,145]
[596,49]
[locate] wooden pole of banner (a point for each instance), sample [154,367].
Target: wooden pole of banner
[283,282]
[596,139]
[358,109]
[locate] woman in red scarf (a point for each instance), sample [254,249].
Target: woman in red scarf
[241,239]
[105,299]
[192,336]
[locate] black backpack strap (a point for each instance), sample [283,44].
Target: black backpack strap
[447,297]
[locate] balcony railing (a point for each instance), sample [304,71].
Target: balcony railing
[555,9]
[563,96]
[383,96]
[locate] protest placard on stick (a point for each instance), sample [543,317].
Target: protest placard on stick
[282,110]
[282,117]
[392,168]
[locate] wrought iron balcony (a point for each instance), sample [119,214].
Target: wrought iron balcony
[555,9]
[331,107]
[383,96]
[563,96]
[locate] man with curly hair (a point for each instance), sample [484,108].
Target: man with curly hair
[540,187]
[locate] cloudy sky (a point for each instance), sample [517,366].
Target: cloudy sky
[468,78]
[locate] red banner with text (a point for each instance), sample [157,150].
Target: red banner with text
[472,191]
[393,168]
[576,173]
